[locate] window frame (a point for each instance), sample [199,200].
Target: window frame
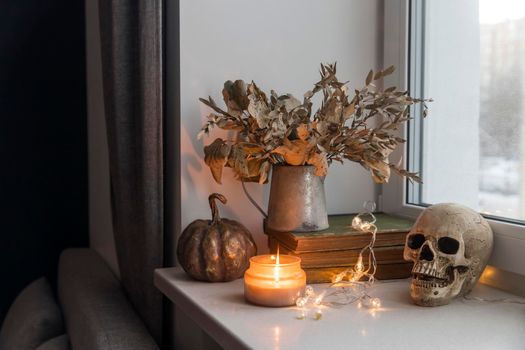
[509,237]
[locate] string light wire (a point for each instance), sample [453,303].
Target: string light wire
[352,284]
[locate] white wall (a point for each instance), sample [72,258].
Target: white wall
[278,44]
[100,225]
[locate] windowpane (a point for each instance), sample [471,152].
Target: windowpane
[469,56]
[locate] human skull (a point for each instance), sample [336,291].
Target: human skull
[450,246]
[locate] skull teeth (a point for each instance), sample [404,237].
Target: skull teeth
[429,283]
[428,270]
[426,275]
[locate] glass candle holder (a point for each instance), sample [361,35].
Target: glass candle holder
[274,280]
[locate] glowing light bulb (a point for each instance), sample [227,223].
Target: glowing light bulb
[372,303]
[375,302]
[308,291]
[319,298]
[356,222]
[301,302]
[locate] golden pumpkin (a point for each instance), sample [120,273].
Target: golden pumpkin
[216,250]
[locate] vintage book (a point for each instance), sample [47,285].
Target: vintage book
[384,255]
[384,272]
[340,235]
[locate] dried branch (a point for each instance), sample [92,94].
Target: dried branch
[283,130]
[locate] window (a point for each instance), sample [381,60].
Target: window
[469,149]
[469,57]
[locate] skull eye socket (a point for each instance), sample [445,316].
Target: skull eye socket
[448,245]
[415,241]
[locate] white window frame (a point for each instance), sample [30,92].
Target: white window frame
[509,238]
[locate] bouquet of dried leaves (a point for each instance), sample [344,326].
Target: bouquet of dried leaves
[280,129]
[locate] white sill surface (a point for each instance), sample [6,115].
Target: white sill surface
[221,311]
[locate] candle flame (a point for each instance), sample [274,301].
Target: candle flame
[276,269]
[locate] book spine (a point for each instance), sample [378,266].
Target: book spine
[338,242]
[384,272]
[343,243]
[393,254]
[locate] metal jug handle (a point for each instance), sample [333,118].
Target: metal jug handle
[253,200]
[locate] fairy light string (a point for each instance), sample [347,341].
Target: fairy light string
[352,284]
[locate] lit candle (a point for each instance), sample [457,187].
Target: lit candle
[274,280]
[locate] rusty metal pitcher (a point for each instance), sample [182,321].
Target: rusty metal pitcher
[297,200]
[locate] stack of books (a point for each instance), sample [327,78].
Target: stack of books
[326,253]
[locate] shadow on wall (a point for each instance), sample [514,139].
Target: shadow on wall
[197,183]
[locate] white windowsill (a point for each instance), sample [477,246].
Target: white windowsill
[220,310]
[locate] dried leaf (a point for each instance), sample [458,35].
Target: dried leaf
[216,156]
[259,110]
[229,125]
[332,111]
[244,163]
[308,94]
[303,133]
[319,161]
[294,152]
[378,75]
[235,97]
[369,77]
[210,103]
[349,110]
[264,169]
[389,70]
[279,128]
[288,102]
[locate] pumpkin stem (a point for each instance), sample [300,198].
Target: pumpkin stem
[213,205]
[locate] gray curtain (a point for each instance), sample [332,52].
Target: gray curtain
[132,52]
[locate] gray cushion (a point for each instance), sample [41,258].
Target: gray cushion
[58,343]
[33,318]
[97,312]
